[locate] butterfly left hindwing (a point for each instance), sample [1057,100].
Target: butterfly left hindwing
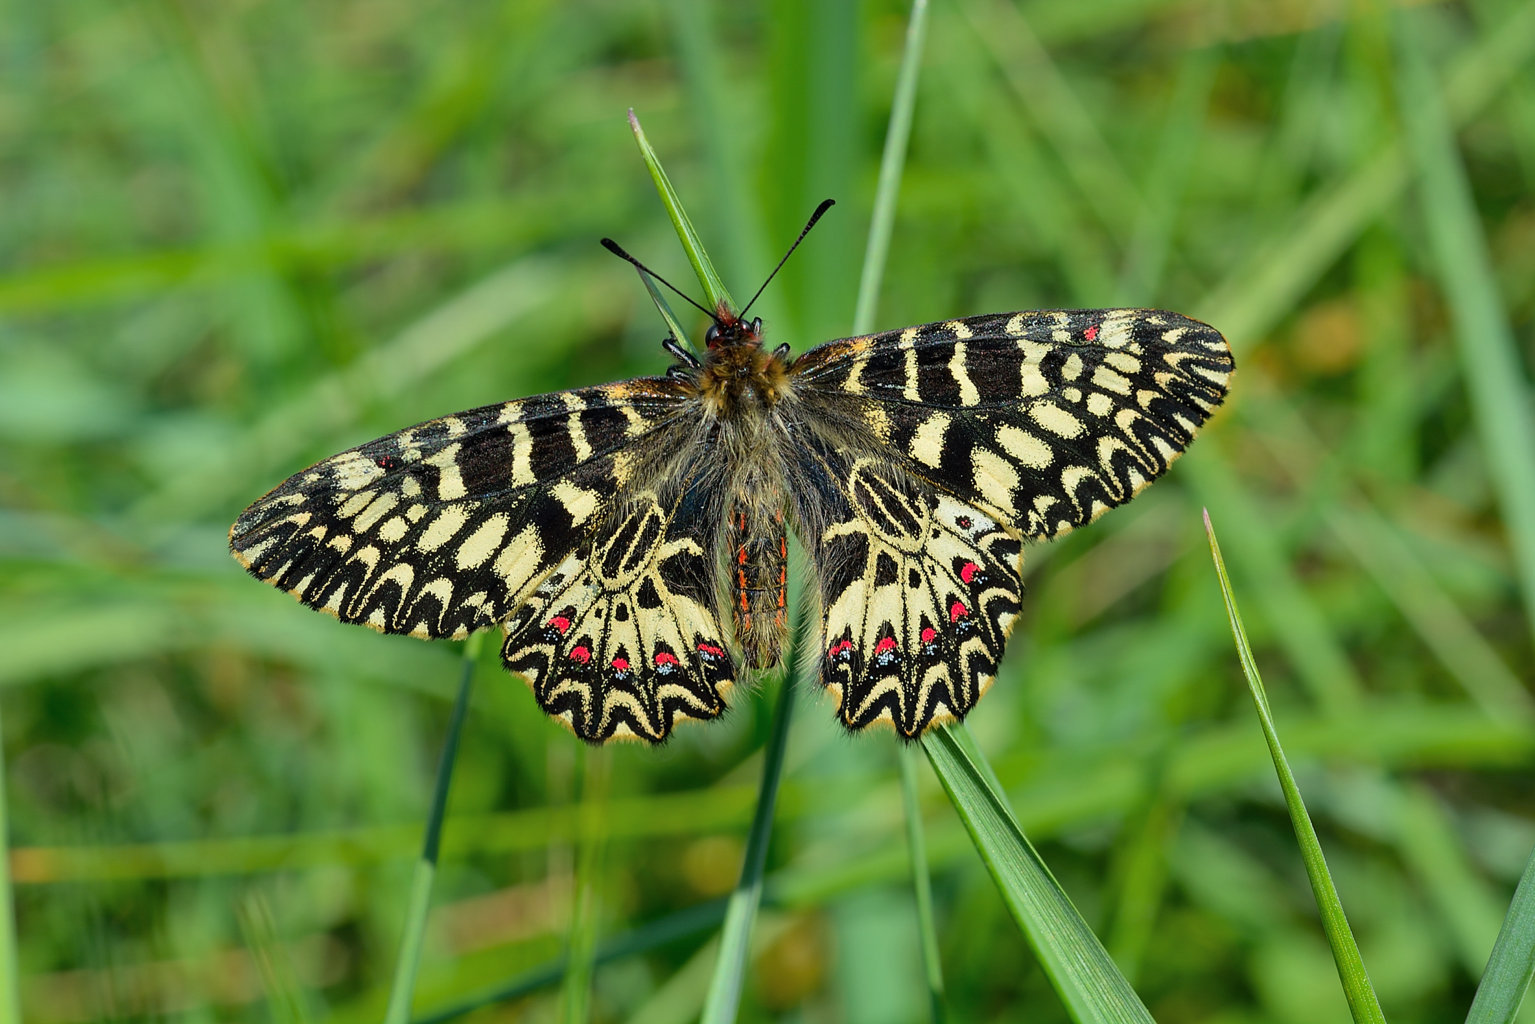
[623,639]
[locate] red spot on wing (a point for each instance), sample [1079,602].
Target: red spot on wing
[621,664]
[957,611]
[560,623]
[839,647]
[712,650]
[886,644]
[580,654]
[967,571]
[1091,334]
[929,634]
[664,658]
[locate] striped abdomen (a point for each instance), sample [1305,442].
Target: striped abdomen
[758,547]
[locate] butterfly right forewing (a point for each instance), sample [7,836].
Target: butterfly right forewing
[1045,419]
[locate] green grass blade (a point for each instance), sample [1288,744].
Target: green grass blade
[1360,993]
[403,988]
[897,135]
[1489,354]
[916,848]
[1512,963]
[1084,975]
[664,308]
[708,277]
[10,972]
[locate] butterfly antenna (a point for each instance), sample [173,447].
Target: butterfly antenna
[826,204]
[617,250]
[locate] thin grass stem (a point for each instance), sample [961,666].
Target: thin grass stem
[876,251]
[403,988]
[10,970]
[891,164]
[916,847]
[581,966]
[730,970]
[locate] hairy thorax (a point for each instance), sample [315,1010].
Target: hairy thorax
[742,382]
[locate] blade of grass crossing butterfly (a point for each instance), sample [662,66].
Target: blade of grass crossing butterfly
[1512,963]
[665,309]
[1084,976]
[1362,1003]
[708,277]
[10,979]
[730,969]
[402,989]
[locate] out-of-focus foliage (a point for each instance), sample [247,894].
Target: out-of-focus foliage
[237,237]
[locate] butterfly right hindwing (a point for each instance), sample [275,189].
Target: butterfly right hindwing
[918,592]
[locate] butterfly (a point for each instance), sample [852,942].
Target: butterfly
[631,539]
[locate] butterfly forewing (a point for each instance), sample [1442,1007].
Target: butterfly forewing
[1044,419]
[446,527]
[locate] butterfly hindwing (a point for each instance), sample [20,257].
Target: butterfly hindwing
[1044,419]
[443,528]
[918,592]
[622,640]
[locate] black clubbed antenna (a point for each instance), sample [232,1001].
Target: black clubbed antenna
[826,204]
[618,250]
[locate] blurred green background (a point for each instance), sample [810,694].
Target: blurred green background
[236,237]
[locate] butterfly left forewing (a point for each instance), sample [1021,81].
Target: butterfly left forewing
[443,528]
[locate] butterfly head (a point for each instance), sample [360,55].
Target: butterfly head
[730,330]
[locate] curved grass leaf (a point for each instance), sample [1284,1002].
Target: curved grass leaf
[1362,1004]
[1089,984]
[1512,963]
